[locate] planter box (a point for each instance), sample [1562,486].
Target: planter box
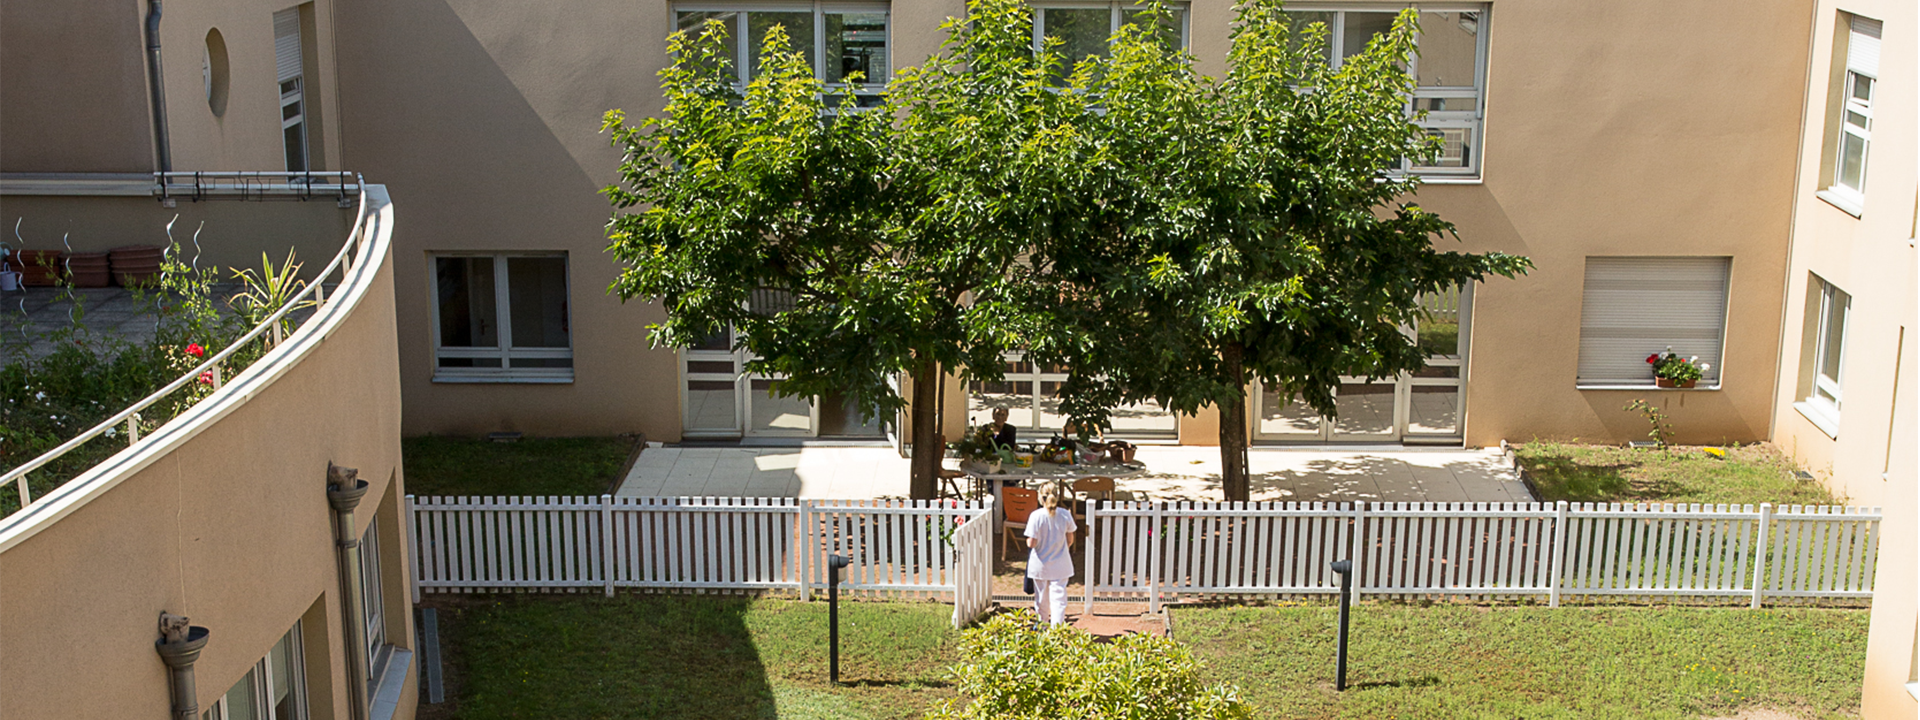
[1665,383]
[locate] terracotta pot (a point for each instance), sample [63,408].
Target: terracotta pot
[1667,383]
[92,278]
[40,267]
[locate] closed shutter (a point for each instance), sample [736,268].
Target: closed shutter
[1636,306]
[286,43]
[1863,47]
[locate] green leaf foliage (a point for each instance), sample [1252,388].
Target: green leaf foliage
[1011,672]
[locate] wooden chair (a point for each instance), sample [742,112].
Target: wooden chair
[949,487]
[1085,490]
[1018,503]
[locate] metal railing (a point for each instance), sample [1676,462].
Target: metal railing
[257,185]
[343,262]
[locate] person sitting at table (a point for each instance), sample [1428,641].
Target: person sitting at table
[1003,431]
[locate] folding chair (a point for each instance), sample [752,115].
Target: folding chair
[949,488]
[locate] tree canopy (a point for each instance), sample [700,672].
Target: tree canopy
[1167,235]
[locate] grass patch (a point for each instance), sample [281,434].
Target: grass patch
[1457,661]
[1750,474]
[529,466]
[690,656]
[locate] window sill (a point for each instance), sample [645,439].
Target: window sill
[1827,421]
[1913,688]
[386,693]
[1696,388]
[1449,180]
[503,379]
[1848,205]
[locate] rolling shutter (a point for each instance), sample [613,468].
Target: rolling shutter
[286,43]
[1637,306]
[1863,47]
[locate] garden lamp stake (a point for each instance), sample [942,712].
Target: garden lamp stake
[1345,570]
[836,564]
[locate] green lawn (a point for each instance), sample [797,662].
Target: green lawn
[1458,661]
[1749,474]
[689,656]
[529,466]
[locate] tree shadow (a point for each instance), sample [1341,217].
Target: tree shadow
[1419,682]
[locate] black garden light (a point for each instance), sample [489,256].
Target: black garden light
[836,564]
[1345,569]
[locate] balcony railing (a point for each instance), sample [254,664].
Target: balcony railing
[233,185]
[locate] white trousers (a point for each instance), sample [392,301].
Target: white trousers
[1050,600]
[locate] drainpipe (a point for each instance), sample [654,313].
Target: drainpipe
[158,89]
[179,645]
[344,489]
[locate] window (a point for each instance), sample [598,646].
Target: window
[1083,28]
[1850,112]
[1822,352]
[1633,307]
[502,318]
[215,73]
[373,606]
[293,106]
[840,39]
[274,689]
[1450,71]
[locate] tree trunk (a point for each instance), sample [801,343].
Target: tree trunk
[928,446]
[1234,482]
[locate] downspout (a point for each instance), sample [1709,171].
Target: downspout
[162,152]
[344,489]
[179,646]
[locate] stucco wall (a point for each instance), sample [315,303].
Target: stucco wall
[68,111]
[234,234]
[1870,460]
[230,528]
[1660,141]
[248,134]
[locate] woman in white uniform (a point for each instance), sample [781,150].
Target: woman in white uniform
[1049,536]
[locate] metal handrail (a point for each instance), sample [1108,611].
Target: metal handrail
[18,476]
[258,184]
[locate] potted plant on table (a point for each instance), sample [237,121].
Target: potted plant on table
[1672,371]
[977,448]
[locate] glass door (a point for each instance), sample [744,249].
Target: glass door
[711,405]
[1423,406]
[770,415]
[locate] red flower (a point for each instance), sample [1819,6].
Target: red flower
[1653,359]
[206,378]
[195,350]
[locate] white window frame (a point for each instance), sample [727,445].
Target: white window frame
[261,676]
[1473,121]
[503,309]
[820,8]
[1860,61]
[373,606]
[1116,16]
[1823,400]
[292,85]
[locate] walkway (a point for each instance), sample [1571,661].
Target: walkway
[1174,473]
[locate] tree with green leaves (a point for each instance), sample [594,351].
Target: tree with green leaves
[896,234]
[1251,226]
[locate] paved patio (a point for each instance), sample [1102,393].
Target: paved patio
[1174,473]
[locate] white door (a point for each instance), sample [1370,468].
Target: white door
[722,401]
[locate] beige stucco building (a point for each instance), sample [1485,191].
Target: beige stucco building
[1685,183]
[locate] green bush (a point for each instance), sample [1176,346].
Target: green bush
[1011,672]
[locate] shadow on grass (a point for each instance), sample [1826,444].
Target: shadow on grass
[1423,681]
[1559,477]
[630,657]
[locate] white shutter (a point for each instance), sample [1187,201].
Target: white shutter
[1636,306]
[1863,47]
[286,43]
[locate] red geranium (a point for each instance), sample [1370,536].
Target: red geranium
[195,350]
[206,378]
[1653,359]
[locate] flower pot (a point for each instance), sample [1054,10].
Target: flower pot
[40,268]
[1669,383]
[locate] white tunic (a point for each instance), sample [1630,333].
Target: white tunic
[1049,560]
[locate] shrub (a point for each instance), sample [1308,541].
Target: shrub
[1010,672]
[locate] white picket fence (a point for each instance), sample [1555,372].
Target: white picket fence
[1157,551]
[899,548]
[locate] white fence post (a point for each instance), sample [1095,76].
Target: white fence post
[1093,506]
[803,547]
[133,428]
[1155,531]
[606,542]
[1760,551]
[1559,552]
[413,541]
[1359,548]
